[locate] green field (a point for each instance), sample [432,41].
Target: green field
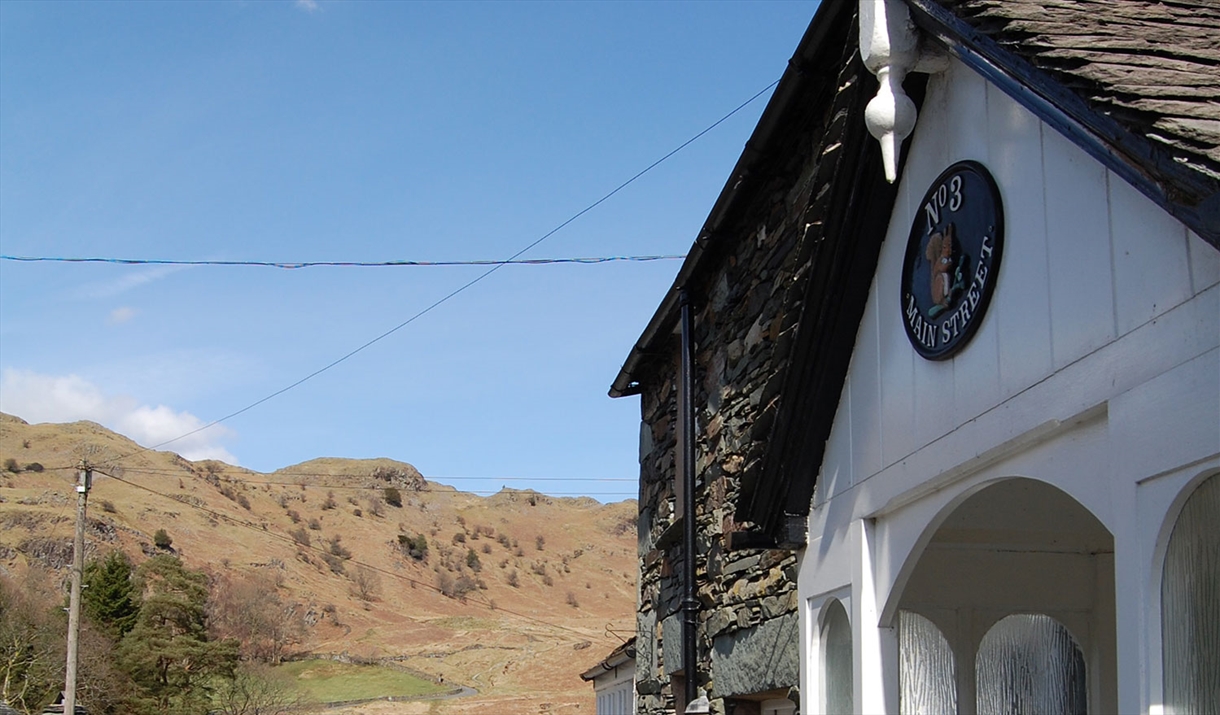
[326,681]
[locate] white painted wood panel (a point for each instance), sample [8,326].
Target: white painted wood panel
[897,367]
[866,399]
[1204,263]
[966,115]
[929,155]
[1023,317]
[1078,243]
[836,464]
[976,369]
[1186,402]
[1151,262]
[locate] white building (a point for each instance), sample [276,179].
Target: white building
[1031,525]
[614,681]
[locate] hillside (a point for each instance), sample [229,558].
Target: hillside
[514,596]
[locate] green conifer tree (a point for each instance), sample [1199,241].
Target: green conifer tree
[167,652]
[110,599]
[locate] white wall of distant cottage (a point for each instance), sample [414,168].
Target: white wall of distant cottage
[1096,369]
[614,690]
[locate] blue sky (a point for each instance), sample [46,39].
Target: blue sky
[361,131]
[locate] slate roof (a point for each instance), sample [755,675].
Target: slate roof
[1154,66]
[1145,74]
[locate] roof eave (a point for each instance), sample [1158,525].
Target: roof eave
[666,315]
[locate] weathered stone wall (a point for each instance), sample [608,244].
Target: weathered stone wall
[746,314]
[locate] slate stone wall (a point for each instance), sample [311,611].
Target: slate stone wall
[747,310]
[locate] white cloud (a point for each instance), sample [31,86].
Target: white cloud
[49,398]
[120,315]
[307,5]
[132,279]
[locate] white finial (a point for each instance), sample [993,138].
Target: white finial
[889,46]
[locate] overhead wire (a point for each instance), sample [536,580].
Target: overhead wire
[465,286]
[292,265]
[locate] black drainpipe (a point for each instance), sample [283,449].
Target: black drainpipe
[690,606]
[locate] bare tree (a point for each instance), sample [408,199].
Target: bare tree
[253,691]
[366,583]
[248,608]
[30,649]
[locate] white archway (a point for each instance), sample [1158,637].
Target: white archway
[1015,546]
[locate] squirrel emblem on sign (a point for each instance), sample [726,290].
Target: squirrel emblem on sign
[945,281]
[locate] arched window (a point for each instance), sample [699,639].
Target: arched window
[1029,664]
[927,672]
[836,660]
[1190,606]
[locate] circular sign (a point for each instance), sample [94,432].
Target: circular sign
[952,260]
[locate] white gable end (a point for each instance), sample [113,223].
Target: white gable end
[1096,370]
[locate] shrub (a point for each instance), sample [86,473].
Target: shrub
[243,501]
[337,549]
[487,548]
[416,547]
[462,586]
[10,465]
[393,497]
[33,467]
[375,507]
[357,512]
[503,539]
[314,524]
[548,580]
[513,579]
[472,561]
[335,563]
[459,538]
[300,536]
[539,542]
[572,600]
[295,516]
[162,540]
[108,507]
[330,501]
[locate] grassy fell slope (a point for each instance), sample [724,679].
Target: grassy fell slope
[533,619]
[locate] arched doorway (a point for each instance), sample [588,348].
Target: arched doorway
[1018,546]
[1190,605]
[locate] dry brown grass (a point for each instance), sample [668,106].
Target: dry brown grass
[524,654]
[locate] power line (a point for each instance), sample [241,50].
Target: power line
[463,287]
[292,265]
[625,493]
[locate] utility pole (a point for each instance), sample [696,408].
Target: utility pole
[78,567]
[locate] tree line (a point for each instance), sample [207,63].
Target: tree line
[160,639]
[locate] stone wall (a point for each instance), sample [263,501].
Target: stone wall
[747,311]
